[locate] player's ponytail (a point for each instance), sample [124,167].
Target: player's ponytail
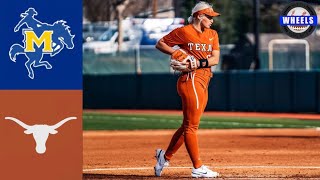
[190,19]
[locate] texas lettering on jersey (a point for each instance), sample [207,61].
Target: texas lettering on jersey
[200,45]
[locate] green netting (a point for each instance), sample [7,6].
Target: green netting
[154,61]
[290,60]
[151,61]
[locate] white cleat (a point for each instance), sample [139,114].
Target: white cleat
[203,172]
[161,162]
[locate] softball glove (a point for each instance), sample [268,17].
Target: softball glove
[182,61]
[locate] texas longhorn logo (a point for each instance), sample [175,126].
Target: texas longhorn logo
[40,132]
[39,39]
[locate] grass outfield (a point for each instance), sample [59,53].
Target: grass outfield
[105,121]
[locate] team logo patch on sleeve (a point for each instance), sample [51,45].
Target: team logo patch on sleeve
[39,39]
[298,20]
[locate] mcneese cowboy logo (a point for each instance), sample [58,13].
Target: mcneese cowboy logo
[298,20]
[39,39]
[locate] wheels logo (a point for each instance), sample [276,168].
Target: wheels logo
[298,20]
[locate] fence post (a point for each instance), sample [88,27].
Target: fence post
[137,59]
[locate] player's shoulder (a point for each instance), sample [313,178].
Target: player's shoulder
[183,28]
[186,30]
[212,31]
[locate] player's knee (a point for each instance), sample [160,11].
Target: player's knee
[190,129]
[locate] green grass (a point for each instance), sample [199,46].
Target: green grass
[99,121]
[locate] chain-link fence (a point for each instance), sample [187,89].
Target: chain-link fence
[147,59]
[139,59]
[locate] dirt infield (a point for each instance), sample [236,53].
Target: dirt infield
[235,154]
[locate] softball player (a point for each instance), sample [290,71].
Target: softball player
[199,50]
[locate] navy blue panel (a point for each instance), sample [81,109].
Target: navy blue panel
[242,91]
[318,91]
[246,91]
[263,91]
[218,92]
[158,92]
[117,91]
[238,91]
[122,91]
[282,91]
[234,94]
[304,97]
[66,71]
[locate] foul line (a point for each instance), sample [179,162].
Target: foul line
[216,167]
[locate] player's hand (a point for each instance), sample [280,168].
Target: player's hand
[182,61]
[180,66]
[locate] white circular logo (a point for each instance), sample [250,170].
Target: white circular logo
[298,20]
[298,11]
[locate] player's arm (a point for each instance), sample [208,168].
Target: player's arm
[212,60]
[215,54]
[163,47]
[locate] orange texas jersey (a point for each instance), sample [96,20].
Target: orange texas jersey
[200,45]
